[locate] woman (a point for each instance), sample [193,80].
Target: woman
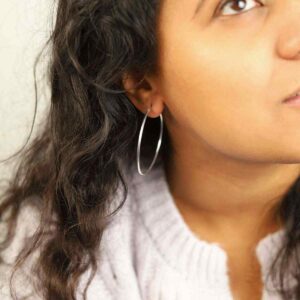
[200,202]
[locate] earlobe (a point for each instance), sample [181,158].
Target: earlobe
[157,107]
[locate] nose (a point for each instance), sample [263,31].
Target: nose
[288,45]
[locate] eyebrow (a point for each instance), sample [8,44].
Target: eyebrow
[198,7]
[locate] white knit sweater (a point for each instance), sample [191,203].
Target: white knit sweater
[148,252]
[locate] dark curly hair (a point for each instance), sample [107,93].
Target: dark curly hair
[88,142]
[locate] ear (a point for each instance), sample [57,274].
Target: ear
[144,93]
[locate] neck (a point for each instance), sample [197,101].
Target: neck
[218,196]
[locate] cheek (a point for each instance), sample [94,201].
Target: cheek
[220,96]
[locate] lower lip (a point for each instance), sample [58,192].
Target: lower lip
[295,101]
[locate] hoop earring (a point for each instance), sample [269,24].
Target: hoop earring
[140,140]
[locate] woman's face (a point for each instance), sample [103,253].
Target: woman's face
[225,73]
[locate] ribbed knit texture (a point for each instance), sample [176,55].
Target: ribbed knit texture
[148,252]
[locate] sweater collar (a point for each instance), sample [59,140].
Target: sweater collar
[181,249]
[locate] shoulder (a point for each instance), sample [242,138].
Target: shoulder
[116,269]
[26,225]
[127,224]
[116,275]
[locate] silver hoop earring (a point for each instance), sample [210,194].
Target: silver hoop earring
[140,140]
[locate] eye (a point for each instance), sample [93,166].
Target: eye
[234,7]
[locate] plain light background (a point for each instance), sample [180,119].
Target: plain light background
[24,29]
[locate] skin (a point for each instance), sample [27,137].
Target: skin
[220,86]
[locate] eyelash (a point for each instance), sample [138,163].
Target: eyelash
[222,5]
